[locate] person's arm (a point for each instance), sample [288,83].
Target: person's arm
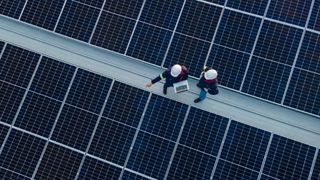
[157,79]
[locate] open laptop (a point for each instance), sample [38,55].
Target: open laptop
[181,86]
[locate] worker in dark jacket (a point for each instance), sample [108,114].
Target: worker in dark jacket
[209,81]
[172,75]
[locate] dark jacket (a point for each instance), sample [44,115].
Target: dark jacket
[170,79]
[211,85]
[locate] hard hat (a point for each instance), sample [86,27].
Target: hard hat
[210,74]
[175,70]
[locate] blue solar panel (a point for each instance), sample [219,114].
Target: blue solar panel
[12,8]
[52,78]
[17,65]
[74,127]
[230,64]
[21,153]
[253,6]
[228,171]
[150,155]
[44,13]
[309,53]
[112,141]
[266,79]
[288,159]
[128,8]
[303,91]
[237,31]
[94,169]
[10,99]
[149,43]
[265,177]
[162,13]
[188,51]
[245,145]
[131,176]
[164,117]
[38,114]
[3,132]
[10,175]
[89,91]
[191,164]
[199,20]
[125,104]
[278,42]
[295,12]
[316,169]
[59,163]
[94,3]
[314,21]
[77,21]
[203,131]
[113,32]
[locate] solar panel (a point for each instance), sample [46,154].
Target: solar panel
[1,46]
[9,175]
[77,20]
[3,132]
[10,99]
[265,177]
[295,12]
[304,92]
[314,22]
[203,131]
[253,6]
[191,164]
[127,8]
[44,13]
[94,169]
[38,114]
[245,145]
[149,43]
[94,3]
[21,153]
[12,8]
[150,155]
[230,64]
[113,32]
[58,163]
[288,159]
[164,117]
[316,170]
[131,176]
[17,65]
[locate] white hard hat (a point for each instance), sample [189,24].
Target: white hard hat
[210,74]
[175,70]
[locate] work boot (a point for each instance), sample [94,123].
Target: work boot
[197,100]
[164,91]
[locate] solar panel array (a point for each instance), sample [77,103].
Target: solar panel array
[62,122]
[268,49]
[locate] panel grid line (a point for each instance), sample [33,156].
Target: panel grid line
[97,21]
[24,6]
[20,106]
[297,53]
[3,48]
[62,9]
[265,156]
[313,163]
[55,123]
[14,172]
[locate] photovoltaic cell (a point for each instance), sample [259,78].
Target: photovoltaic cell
[265,177]
[128,8]
[245,145]
[112,141]
[44,13]
[89,91]
[266,79]
[52,78]
[203,131]
[74,127]
[278,42]
[17,65]
[59,163]
[21,153]
[304,91]
[316,170]
[113,32]
[191,164]
[228,171]
[237,31]
[150,155]
[95,3]
[149,43]
[295,12]
[199,20]
[12,8]
[77,21]
[164,117]
[162,13]
[230,64]
[187,51]
[125,104]
[3,132]
[309,53]
[10,99]
[314,21]
[131,176]
[10,175]
[288,159]
[253,6]
[94,169]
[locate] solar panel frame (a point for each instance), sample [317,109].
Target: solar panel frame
[256,7]
[12,8]
[10,175]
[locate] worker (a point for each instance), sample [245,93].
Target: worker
[172,75]
[209,81]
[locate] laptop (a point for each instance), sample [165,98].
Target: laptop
[181,86]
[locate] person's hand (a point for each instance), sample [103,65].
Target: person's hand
[149,84]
